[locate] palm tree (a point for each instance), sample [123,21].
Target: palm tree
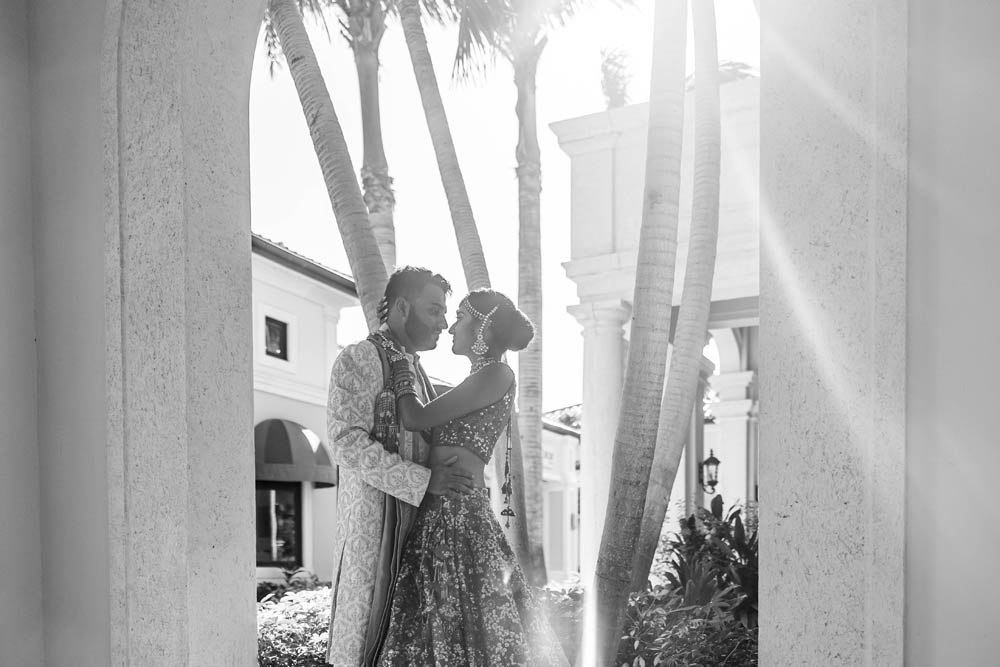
[516,29]
[469,245]
[635,438]
[692,320]
[334,159]
[614,78]
[362,26]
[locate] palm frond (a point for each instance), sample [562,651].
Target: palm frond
[512,28]
[315,8]
[615,77]
[271,45]
[483,29]
[439,11]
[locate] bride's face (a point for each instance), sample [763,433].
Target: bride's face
[463,332]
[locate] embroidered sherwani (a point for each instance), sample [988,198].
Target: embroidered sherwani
[370,479]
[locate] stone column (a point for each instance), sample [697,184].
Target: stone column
[753,455]
[833,331]
[178,334]
[731,433]
[603,374]
[694,448]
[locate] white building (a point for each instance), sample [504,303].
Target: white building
[561,497]
[608,155]
[296,309]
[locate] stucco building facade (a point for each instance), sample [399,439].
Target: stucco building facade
[607,151]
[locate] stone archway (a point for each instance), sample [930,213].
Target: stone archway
[175,88]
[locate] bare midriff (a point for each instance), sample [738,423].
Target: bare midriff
[467,461]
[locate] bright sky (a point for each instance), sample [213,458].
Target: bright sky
[290,203]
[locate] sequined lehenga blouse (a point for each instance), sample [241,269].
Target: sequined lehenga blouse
[461,599]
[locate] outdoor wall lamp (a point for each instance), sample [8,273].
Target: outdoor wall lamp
[708,473]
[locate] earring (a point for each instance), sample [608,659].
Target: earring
[479,348]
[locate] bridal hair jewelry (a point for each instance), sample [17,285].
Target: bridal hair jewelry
[480,347]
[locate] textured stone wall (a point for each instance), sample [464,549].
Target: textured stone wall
[176,90]
[833,346]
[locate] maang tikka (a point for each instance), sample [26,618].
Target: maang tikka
[480,347]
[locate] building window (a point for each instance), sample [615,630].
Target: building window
[276,338]
[279,524]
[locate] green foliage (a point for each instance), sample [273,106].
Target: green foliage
[563,607]
[701,613]
[614,77]
[705,611]
[296,579]
[292,629]
[663,629]
[292,620]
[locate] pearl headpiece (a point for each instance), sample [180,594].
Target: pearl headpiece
[479,347]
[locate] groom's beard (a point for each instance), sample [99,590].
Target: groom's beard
[421,335]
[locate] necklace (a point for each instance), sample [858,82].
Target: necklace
[391,346]
[479,363]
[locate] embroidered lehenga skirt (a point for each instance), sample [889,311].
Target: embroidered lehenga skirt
[461,599]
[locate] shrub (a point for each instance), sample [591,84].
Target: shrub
[700,642]
[292,628]
[297,579]
[292,620]
[702,606]
[669,627]
[719,546]
[563,607]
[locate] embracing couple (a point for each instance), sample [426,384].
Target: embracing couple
[423,574]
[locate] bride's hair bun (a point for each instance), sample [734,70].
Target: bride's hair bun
[512,330]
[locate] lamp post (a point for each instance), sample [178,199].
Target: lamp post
[708,473]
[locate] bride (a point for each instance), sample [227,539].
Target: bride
[460,597]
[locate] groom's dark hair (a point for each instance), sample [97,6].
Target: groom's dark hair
[408,282]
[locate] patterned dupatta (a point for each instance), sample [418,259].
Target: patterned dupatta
[398,516]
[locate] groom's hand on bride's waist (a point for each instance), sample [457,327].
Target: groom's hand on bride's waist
[447,480]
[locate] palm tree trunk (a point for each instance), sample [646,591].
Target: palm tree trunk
[471,248]
[635,439]
[692,320]
[367,25]
[334,159]
[529,297]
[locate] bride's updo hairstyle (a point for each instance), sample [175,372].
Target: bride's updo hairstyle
[511,328]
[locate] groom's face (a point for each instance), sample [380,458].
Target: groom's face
[425,319]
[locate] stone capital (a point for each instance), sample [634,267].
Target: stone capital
[601,315]
[705,370]
[730,410]
[732,386]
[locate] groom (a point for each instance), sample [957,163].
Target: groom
[383,473]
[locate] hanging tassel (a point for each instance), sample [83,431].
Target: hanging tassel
[507,489]
[386,426]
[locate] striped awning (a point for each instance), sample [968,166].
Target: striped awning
[288,452]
